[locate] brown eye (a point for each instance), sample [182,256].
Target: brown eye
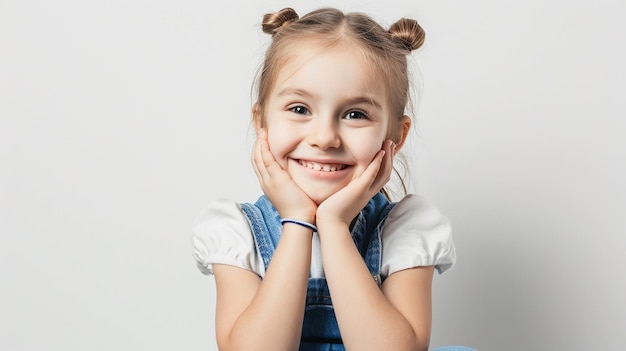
[355,115]
[300,110]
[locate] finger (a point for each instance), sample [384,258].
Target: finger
[258,163]
[368,177]
[267,158]
[387,165]
[257,171]
[255,157]
[384,173]
[381,167]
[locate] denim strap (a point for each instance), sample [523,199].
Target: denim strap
[265,223]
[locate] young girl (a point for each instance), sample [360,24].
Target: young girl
[324,261]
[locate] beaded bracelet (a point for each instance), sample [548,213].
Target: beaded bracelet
[299,222]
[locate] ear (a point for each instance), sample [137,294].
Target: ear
[405,124]
[257,117]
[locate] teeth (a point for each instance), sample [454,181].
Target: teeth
[322,167]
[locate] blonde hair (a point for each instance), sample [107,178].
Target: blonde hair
[385,50]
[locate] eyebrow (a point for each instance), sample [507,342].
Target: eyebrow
[353,100]
[294,91]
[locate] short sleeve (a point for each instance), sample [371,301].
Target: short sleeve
[416,234]
[221,235]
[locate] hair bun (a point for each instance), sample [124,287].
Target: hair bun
[272,22]
[408,34]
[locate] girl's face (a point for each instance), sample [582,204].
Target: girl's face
[326,116]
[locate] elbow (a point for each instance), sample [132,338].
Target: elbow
[419,345]
[422,346]
[420,342]
[423,343]
[413,343]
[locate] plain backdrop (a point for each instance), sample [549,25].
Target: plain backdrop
[120,120]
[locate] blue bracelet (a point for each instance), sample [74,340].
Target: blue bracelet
[302,223]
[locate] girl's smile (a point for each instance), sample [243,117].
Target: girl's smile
[322,167]
[323,170]
[326,118]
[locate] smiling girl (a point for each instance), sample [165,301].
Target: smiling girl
[324,260]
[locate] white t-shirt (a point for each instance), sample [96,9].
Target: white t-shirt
[414,234]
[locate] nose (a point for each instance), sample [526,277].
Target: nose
[324,134]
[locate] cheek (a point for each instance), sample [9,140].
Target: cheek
[365,152]
[371,151]
[279,143]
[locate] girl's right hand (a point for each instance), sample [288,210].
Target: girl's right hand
[286,196]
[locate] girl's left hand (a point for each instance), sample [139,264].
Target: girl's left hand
[345,204]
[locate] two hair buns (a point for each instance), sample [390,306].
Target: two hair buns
[406,32]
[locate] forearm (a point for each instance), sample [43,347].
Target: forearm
[273,319]
[367,319]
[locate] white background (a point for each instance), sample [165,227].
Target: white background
[120,120]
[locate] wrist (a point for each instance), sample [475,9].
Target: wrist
[329,217]
[304,217]
[332,224]
[294,221]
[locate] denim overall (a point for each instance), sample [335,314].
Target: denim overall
[320,330]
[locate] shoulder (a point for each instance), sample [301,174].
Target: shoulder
[218,210]
[221,234]
[222,214]
[417,211]
[416,233]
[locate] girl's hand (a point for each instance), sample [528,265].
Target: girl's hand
[345,204]
[283,192]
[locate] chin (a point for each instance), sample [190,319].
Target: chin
[320,196]
[318,200]
[319,192]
